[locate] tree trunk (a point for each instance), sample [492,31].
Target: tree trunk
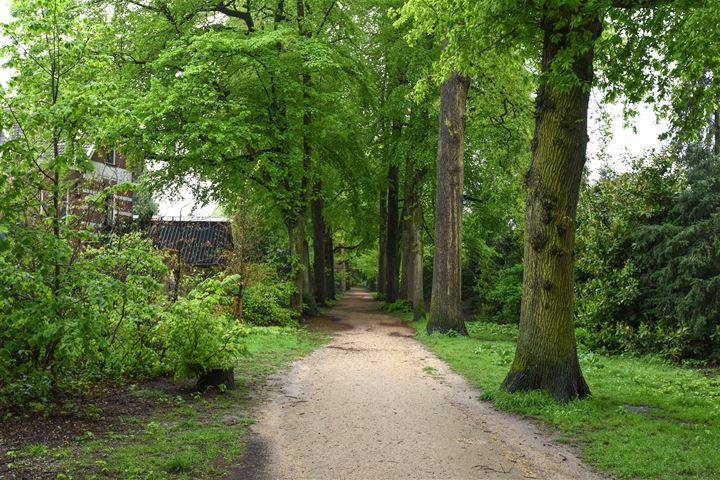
[216,378]
[342,271]
[392,247]
[415,280]
[406,242]
[546,356]
[716,132]
[382,257]
[445,305]
[319,250]
[308,285]
[296,236]
[239,304]
[329,267]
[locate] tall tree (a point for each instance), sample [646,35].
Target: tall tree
[446,303]
[568,34]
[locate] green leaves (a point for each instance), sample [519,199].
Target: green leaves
[201,333]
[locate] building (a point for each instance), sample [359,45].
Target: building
[108,169]
[198,242]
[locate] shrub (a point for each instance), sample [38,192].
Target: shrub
[200,331]
[94,321]
[264,304]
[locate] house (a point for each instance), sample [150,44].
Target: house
[108,168]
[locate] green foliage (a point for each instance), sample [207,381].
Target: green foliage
[202,334]
[99,324]
[647,258]
[400,305]
[265,303]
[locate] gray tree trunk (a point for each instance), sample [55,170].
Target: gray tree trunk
[445,306]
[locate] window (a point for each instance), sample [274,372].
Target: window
[110,157]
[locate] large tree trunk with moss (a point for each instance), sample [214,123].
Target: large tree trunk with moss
[546,356]
[445,305]
[319,250]
[392,247]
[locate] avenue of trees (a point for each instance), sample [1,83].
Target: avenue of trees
[433,150]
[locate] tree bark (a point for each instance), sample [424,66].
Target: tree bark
[392,247]
[296,237]
[329,266]
[342,270]
[406,242]
[308,285]
[319,250]
[382,257]
[445,306]
[417,285]
[546,356]
[216,378]
[716,132]
[414,258]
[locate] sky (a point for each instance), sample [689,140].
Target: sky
[623,141]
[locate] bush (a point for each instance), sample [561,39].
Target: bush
[401,305]
[200,331]
[264,304]
[96,320]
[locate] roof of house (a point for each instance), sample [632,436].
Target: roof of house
[200,243]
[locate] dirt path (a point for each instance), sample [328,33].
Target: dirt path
[375,404]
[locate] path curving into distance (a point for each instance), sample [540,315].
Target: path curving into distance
[375,404]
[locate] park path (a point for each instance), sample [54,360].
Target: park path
[375,404]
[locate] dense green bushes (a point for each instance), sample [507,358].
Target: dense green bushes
[265,303]
[107,316]
[93,319]
[649,258]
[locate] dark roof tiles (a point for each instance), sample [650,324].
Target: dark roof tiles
[200,243]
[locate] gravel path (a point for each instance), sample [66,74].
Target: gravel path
[376,404]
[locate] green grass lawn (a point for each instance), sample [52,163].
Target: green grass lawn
[182,435]
[646,418]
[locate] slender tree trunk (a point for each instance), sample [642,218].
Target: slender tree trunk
[406,267]
[445,305]
[546,356]
[414,259]
[296,237]
[319,250]
[308,284]
[329,266]
[392,247]
[382,257]
[716,132]
[342,270]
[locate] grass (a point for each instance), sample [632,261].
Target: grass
[186,436]
[646,418]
